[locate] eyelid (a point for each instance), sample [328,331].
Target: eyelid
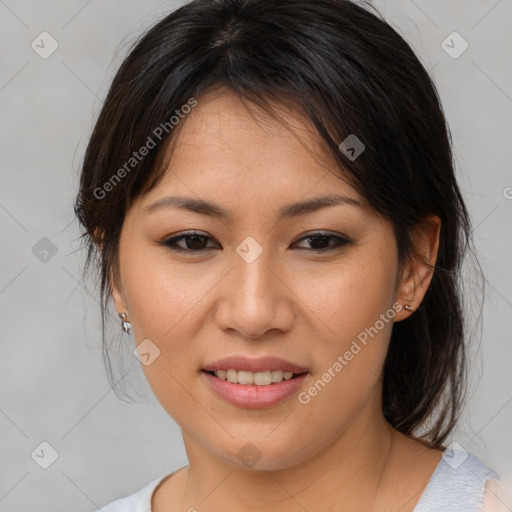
[342,239]
[322,232]
[171,241]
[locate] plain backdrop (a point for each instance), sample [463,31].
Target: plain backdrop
[53,385]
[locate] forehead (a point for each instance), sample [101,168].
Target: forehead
[226,140]
[242,160]
[225,124]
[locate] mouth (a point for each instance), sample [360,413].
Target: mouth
[261,378]
[254,390]
[254,383]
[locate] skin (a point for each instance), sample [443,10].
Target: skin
[337,452]
[498,495]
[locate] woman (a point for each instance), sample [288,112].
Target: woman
[269,189]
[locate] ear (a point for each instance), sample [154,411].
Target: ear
[117,293]
[417,273]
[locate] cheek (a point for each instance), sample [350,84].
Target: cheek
[164,305]
[354,316]
[350,295]
[164,296]
[352,310]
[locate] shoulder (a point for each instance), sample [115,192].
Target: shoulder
[139,501]
[498,495]
[459,480]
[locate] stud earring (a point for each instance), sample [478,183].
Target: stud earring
[408,307]
[125,325]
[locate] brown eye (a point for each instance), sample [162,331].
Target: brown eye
[320,241]
[196,242]
[188,242]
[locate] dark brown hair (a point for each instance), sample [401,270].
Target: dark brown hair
[347,71]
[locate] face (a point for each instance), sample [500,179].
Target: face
[257,279]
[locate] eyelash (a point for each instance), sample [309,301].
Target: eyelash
[171,243]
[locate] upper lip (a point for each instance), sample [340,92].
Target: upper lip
[254,364]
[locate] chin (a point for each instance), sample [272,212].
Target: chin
[261,455]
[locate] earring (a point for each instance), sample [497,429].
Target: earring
[408,307]
[125,325]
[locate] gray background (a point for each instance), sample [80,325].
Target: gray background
[53,385]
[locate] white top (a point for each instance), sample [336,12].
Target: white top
[458,481]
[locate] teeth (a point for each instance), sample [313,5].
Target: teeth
[257,378]
[245,377]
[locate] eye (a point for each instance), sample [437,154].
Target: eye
[190,242]
[321,241]
[197,242]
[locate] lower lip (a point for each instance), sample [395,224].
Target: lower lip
[250,396]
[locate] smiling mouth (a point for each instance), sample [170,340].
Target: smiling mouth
[263,378]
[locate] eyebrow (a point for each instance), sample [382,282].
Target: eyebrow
[214,210]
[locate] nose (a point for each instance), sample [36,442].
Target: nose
[255,299]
